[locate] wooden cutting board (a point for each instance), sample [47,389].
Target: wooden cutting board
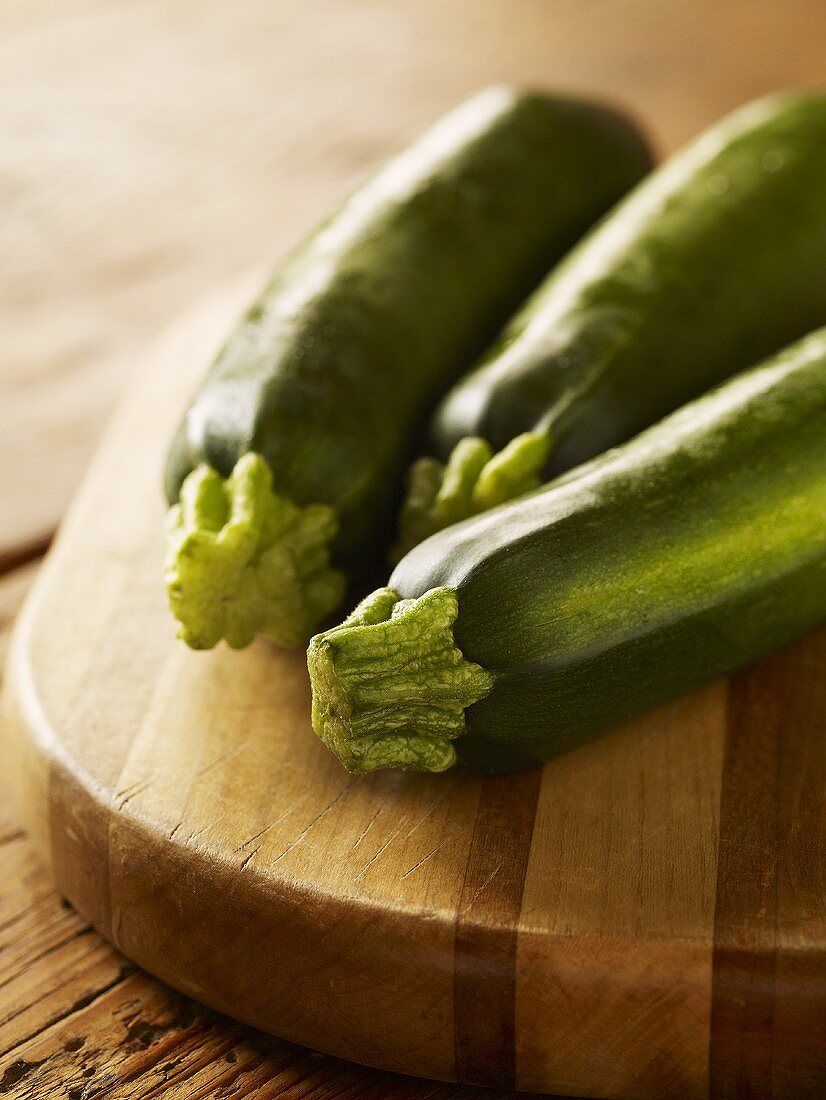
[645,917]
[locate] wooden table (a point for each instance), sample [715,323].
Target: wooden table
[147,151]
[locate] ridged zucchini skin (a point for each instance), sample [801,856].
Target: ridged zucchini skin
[681,555]
[715,261]
[336,366]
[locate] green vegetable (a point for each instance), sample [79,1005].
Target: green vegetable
[333,371]
[715,261]
[678,556]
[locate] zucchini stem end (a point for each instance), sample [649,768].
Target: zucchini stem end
[390,685]
[242,560]
[472,480]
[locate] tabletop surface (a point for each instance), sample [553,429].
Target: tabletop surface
[148,151]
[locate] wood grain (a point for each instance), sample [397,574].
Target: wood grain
[78,1021]
[621,885]
[769,1005]
[554,930]
[150,149]
[484,947]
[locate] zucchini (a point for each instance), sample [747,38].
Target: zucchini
[678,556]
[717,260]
[322,386]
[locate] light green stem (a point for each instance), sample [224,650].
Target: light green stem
[390,685]
[472,480]
[242,560]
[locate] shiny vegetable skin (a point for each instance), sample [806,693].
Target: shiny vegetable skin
[316,398]
[680,555]
[715,261]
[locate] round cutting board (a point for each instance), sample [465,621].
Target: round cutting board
[643,917]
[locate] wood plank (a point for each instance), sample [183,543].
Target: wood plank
[485,944]
[628,858]
[769,1006]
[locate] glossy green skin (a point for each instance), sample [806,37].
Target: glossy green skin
[681,555]
[337,365]
[715,261]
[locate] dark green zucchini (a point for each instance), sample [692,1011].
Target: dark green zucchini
[715,261]
[321,388]
[680,555]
